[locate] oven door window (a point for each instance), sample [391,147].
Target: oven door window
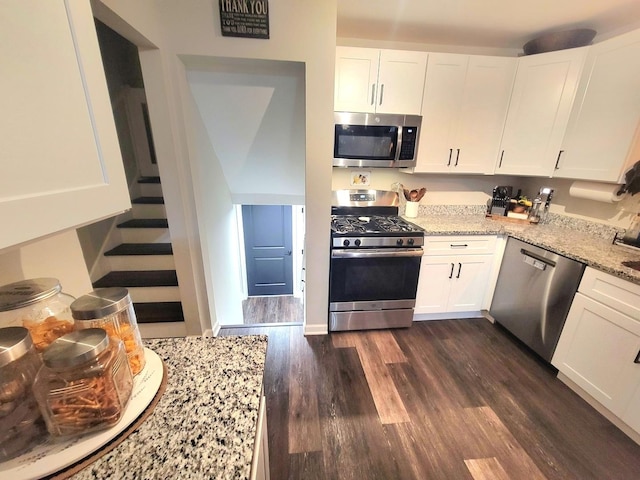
[374,279]
[364,142]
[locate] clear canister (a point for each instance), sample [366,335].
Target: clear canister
[111,309]
[40,305]
[85,383]
[21,424]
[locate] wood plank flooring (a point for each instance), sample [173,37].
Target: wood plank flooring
[453,399]
[272,309]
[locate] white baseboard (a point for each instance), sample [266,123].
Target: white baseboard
[316,329]
[213,331]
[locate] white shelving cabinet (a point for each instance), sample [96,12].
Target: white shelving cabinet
[464,108]
[61,162]
[379,81]
[542,98]
[455,276]
[602,137]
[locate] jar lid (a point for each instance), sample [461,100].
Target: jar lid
[20,294]
[76,348]
[14,343]
[100,303]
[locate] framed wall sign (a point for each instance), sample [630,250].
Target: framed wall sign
[244,18]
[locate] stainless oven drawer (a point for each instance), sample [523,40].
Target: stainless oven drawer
[369,320]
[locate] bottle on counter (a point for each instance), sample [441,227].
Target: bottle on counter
[21,424]
[111,309]
[40,305]
[85,383]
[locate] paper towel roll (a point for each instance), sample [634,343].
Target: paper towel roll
[600,192]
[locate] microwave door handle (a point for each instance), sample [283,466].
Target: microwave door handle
[398,144]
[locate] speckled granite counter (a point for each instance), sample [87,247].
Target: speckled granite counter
[582,244]
[204,425]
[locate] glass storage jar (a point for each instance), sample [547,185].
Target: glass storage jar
[21,424]
[85,383]
[39,305]
[111,309]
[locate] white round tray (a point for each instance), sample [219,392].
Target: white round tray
[51,457]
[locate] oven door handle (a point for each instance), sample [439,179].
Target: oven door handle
[377,252]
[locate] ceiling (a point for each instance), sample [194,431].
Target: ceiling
[480,23]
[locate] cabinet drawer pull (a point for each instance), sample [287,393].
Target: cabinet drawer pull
[458,245]
[558,160]
[381,93]
[450,153]
[459,270]
[457,157]
[637,360]
[452,267]
[501,155]
[373,93]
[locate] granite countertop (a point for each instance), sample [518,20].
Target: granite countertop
[582,241]
[204,425]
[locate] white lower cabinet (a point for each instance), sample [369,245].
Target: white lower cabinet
[599,349]
[457,282]
[260,463]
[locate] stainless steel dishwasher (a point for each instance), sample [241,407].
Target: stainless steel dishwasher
[534,292]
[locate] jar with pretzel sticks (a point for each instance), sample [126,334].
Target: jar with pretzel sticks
[39,305]
[85,383]
[112,310]
[21,424]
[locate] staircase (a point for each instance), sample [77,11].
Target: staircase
[140,258]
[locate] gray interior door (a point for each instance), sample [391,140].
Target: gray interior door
[267,244]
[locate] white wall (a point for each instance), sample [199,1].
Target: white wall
[253,112]
[58,256]
[442,189]
[300,32]
[217,224]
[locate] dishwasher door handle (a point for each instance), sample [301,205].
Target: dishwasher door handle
[540,258]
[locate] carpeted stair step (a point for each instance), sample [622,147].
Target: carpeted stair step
[157,312]
[140,249]
[145,223]
[138,278]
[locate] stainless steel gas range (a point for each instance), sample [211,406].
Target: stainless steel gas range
[375,262]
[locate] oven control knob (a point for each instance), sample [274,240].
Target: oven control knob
[410,241]
[358,242]
[399,241]
[346,243]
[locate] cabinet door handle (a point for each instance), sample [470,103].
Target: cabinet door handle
[450,153]
[457,157]
[373,93]
[637,360]
[452,267]
[458,245]
[501,155]
[558,160]
[459,270]
[381,93]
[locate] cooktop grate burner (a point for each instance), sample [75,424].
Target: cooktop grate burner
[371,224]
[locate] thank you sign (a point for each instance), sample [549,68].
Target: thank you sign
[244,18]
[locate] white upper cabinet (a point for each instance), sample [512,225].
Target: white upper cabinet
[61,163]
[379,81]
[464,108]
[601,135]
[541,102]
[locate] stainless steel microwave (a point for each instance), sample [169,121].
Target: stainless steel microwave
[375,140]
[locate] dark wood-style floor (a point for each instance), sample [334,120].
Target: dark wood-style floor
[455,399]
[272,309]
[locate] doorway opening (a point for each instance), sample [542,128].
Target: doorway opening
[271,250]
